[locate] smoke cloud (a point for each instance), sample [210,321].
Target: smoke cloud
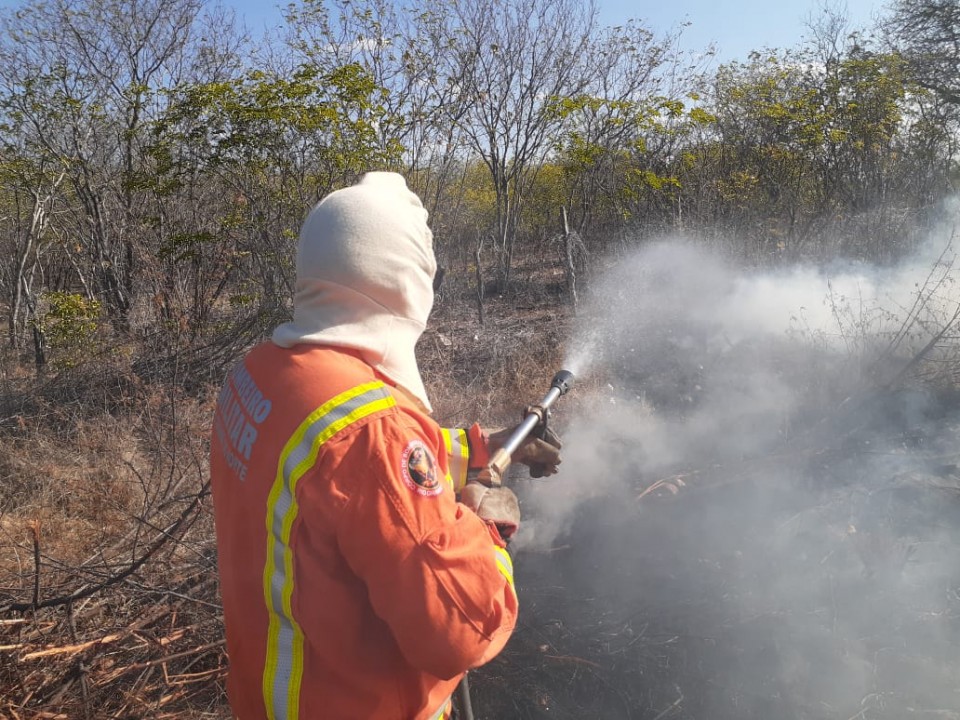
[760,467]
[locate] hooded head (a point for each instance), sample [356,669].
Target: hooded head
[365,268]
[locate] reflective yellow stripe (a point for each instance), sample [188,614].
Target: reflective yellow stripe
[283,670]
[448,445]
[442,712]
[458,456]
[504,563]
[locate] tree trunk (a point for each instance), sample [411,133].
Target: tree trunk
[36,323]
[479,270]
[575,259]
[570,266]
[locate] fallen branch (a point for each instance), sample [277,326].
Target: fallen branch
[70,649]
[572,659]
[673,706]
[176,656]
[13,621]
[89,590]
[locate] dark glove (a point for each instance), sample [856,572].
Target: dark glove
[540,454]
[497,505]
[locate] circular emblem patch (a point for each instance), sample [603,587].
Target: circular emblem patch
[419,469]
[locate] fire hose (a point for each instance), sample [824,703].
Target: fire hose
[535,419]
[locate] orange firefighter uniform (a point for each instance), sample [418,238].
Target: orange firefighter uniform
[354,584]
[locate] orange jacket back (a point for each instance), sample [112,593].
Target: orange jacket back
[354,584]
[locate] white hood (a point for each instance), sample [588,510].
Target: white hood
[365,268]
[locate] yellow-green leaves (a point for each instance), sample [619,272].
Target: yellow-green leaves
[262,119]
[70,322]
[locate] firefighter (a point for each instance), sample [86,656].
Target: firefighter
[355,584]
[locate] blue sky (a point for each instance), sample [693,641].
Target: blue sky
[735,26]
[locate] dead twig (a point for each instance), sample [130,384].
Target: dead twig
[572,659]
[81,668]
[919,357]
[673,484]
[673,706]
[34,527]
[177,656]
[72,649]
[548,551]
[190,678]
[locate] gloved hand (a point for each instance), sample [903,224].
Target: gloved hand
[540,455]
[497,505]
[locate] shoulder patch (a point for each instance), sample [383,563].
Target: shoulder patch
[419,470]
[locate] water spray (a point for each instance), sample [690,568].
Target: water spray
[535,417]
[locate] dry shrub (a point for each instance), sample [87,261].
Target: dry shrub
[490,372]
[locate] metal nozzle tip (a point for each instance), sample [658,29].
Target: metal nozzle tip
[563,381]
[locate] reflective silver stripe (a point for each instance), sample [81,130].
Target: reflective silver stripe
[283,668]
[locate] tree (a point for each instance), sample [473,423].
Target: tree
[927,34]
[821,151]
[769,124]
[621,131]
[83,78]
[511,59]
[270,146]
[30,184]
[400,47]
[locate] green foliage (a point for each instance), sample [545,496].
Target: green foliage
[69,324]
[864,96]
[479,196]
[617,144]
[185,246]
[699,116]
[799,138]
[187,199]
[325,122]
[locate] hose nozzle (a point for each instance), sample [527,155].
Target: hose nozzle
[562,381]
[493,473]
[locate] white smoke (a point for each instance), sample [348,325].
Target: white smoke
[706,374]
[735,352]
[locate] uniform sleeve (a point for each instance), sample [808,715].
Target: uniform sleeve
[465,449]
[437,574]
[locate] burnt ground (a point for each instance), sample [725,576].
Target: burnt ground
[807,567]
[827,586]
